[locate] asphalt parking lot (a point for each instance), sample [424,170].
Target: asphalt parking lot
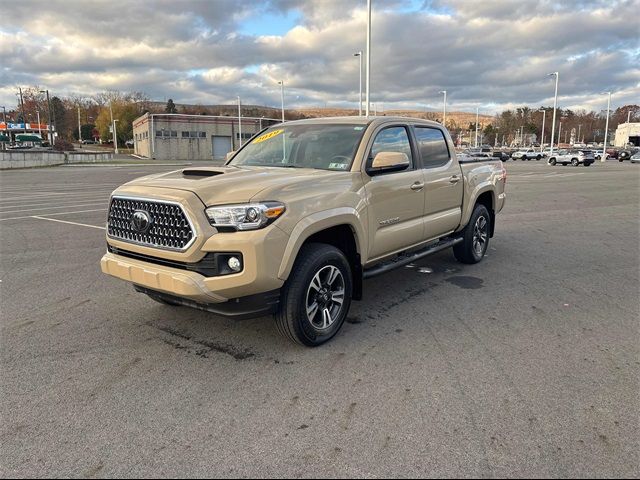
[526,365]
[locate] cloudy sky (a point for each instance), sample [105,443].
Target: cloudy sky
[492,53]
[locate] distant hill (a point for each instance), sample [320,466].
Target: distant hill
[454,119]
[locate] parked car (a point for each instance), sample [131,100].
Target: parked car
[296,236]
[635,158]
[573,157]
[626,154]
[612,153]
[504,156]
[88,142]
[527,154]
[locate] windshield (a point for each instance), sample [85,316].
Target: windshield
[320,146]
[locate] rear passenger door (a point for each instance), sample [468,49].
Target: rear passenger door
[443,182]
[395,199]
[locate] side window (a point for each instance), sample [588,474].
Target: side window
[392,139]
[432,146]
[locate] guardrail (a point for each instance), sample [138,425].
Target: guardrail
[27,159]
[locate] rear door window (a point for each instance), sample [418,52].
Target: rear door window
[432,147]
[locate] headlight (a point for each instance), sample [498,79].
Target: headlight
[249,216]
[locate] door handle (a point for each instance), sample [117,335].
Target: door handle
[417,186]
[454,179]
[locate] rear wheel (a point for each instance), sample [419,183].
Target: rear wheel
[316,297]
[475,237]
[524,157]
[538,157]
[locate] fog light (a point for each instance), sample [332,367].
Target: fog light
[234,264]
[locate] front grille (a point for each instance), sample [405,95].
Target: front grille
[167,227]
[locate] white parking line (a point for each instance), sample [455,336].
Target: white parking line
[50,202]
[70,223]
[56,214]
[53,208]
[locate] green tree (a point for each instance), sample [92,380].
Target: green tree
[171,107]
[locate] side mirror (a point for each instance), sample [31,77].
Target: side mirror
[385,162]
[230,154]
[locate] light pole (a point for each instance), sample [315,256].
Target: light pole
[606,128]
[477,119]
[115,136]
[559,132]
[50,124]
[368,81]
[444,109]
[629,116]
[579,129]
[39,126]
[544,116]
[359,55]
[555,105]
[281,83]
[79,129]
[239,123]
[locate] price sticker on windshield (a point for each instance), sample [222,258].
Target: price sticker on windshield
[267,136]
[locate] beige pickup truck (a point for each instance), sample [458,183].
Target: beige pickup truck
[299,217]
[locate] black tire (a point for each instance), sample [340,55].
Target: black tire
[292,318]
[467,251]
[552,162]
[524,157]
[538,157]
[587,164]
[575,162]
[163,300]
[621,160]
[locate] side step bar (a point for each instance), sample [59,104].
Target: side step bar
[402,260]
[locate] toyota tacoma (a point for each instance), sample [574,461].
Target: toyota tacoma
[295,220]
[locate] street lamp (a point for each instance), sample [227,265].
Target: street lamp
[281,83]
[606,128]
[239,123]
[444,112]
[555,105]
[544,116]
[359,55]
[477,119]
[115,136]
[368,55]
[579,128]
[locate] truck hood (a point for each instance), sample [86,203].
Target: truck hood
[229,184]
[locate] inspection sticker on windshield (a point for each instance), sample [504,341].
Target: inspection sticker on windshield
[338,166]
[267,136]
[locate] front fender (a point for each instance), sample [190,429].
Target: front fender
[315,223]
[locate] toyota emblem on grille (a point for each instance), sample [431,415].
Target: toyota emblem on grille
[140,221]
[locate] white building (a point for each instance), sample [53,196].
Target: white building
[627,133]
[173,136]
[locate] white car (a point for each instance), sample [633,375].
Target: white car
[527,154]
[573,157]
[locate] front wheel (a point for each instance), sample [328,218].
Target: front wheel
[575,162]
[475,237]
[316,297]
[538,157]
[552,162]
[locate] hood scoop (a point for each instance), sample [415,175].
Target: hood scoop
[200,172]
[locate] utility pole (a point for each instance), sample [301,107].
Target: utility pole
[113,128]
[39,126]
[49,124]
[579,129]
[555,105]
[368,56]
[24,118]
[606,129]
[359,55]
